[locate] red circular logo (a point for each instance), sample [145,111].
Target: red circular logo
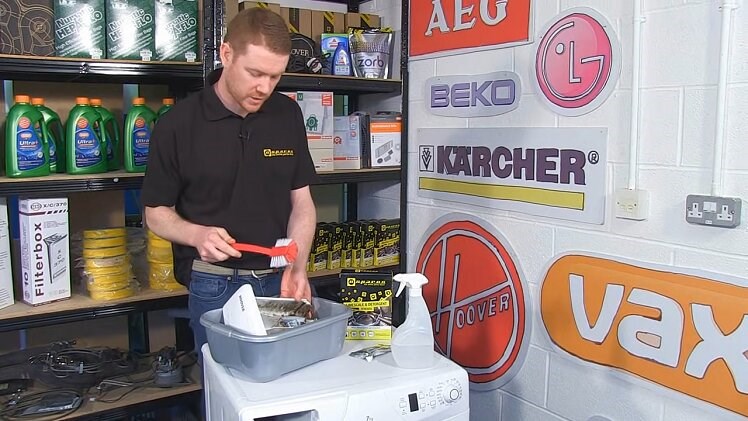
[24,123]
[577,62]
[477,300]
[140,122]
[82,123]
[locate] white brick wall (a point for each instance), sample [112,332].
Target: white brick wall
[678,103]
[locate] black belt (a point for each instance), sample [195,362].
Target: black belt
[205,267]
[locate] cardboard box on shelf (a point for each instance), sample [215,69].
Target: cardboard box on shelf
[80,28]
[27,27]
[323,159]
[6,272]
[265,5]
[299,21]
[362,20]
[327,22]
[347,143]
[131,29]
[177,28]
[317,108]
[45,249]
[385,145]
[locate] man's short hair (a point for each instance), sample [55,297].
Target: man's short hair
[258,26]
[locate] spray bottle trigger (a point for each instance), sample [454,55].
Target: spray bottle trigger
[400,288]
[413,280]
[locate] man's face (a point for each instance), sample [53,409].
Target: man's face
[252,76]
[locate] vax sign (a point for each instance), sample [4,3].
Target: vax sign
[686,332]
[552,172]
[474,95]
[478,300]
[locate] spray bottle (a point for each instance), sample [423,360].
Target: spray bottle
[413,341]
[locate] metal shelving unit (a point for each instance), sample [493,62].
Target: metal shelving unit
[181,78]
[121,180]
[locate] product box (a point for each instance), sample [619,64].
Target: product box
[362,20]
[327,22]
[27,27]
[317,108]
[320,246]
[263,4]
[299,21]
[80,28]
[6,269]
[369,295]
[385,145]
[350,229]
[347,146]
[387,245]
[340,65]
[177,28]
[335,246]
[368,241]
[131,29]
[323,159]
[45,249]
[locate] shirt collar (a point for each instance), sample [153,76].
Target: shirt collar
[212,105]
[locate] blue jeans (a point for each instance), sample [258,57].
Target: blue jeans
[209,292]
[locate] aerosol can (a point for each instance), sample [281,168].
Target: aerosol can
[413,341]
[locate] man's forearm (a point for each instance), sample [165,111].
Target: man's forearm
[301,226]
[167,224]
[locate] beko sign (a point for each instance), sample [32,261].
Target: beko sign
[473,95]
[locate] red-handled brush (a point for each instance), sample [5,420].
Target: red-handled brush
[282,254]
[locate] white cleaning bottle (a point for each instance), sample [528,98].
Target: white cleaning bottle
[413,341]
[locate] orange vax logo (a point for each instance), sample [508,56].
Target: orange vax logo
[685,331]
[478,301]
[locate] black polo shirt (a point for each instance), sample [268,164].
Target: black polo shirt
[219,169]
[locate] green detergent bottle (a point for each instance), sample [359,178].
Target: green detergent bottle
[86,146]
[111,135]
[167,104]
[56,139]
[138,127]
[26,147]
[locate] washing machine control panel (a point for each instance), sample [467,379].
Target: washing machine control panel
[431,398]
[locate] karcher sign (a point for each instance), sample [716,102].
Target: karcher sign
[551,172]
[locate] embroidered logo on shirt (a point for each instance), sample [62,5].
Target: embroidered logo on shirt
[270,153]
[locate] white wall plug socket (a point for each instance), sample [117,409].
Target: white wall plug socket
[632,204]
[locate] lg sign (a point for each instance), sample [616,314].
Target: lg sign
[475,95]
[477,299]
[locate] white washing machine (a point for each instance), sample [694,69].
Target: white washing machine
[340,389]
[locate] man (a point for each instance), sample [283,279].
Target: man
[231,164]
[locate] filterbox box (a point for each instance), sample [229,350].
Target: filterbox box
[45,245]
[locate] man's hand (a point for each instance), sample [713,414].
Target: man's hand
[214,244]
[295,284]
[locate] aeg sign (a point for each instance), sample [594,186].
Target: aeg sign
[686,332]
[477,299]
[475,95]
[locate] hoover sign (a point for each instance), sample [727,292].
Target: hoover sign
[687,332]
[478,301]
[474,95]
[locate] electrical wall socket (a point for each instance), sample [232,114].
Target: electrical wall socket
[713,210]
[632,204]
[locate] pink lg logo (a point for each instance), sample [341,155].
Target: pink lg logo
[577,62]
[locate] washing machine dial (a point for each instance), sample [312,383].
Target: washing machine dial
[451,392]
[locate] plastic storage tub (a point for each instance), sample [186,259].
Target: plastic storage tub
[265,358]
